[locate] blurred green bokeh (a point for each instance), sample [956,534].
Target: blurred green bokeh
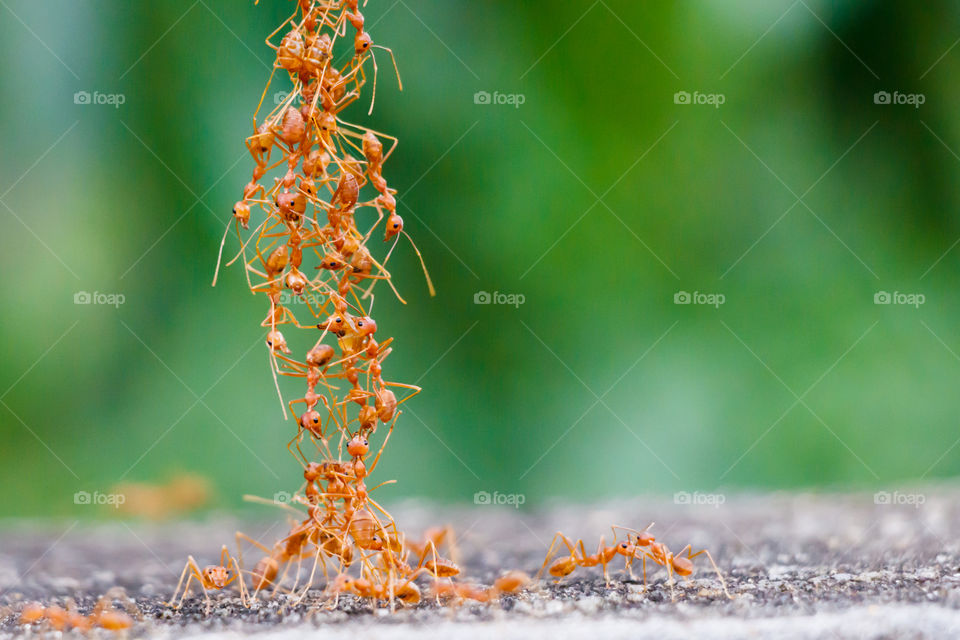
[598,200]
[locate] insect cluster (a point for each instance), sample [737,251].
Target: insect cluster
[309,258]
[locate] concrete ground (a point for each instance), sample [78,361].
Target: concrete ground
[798,566]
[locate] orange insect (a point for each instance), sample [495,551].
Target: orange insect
[644,546]
[213,577]
[62,619]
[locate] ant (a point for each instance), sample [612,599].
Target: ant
[211,577]
[645,546]
[578,557]
[60,619]
[510,582]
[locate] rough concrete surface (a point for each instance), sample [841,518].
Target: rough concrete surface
[798,566]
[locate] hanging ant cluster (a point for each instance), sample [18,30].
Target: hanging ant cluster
[307,252]
[310,259]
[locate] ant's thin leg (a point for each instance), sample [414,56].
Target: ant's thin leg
[186,568]
[383,446]
[549,555]
[715,568]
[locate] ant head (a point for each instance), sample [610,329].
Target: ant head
[343,583]
[216,576]
[313,472]
[358,446]
[328,123]
[296,282]
[394,226]
[645,539]
[331,262]
[292,204]
[625,548]
[241,211]
[276,342]
[376,543]
[308,187]
[335,324]
[362,42]
[263,139]
[310,420]
[366,326]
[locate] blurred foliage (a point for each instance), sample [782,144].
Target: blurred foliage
[597,199]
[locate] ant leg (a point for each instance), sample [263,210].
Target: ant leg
[426,274]
[383,446]
[303,458]
[557,536]
[238,576]
[283,576]
[622,528]
[673,594]
[644,573]
[715,568]
[220,253]
[401,385]
[396,70]
[189,570]
[374,92]
[317,557]
[603,560]
[271,359]
[239,536]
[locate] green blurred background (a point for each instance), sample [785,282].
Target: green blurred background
[598,199]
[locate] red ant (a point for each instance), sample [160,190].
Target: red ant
[211,577]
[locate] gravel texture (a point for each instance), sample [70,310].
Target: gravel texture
[798,566]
